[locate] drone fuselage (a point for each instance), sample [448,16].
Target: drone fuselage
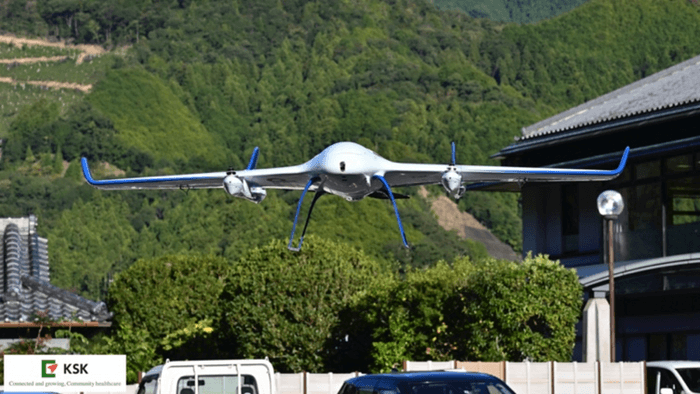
[346,170]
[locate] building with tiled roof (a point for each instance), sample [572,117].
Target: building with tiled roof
[25,288]
[657,236]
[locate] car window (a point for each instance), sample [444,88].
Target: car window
[366,386]
[148,386]
[691,377]
[348,389]
[386,386]
[667,380]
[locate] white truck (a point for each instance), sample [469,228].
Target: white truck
[210,377]
[673,377]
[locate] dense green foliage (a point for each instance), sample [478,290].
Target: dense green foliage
[332,307]
[156,301]
[592,50]
[112,248]
[14,98]
[519,11]
[284,306]
[470,310]
[152,120]
[525,311]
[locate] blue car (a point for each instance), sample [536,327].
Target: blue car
[426,383]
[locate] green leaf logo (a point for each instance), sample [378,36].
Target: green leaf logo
[48,368]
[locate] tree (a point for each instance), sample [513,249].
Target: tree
[485,310]
[285,305]
[90,241]
[163,308]
[513,312]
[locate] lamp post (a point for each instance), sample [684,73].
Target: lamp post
[610,205]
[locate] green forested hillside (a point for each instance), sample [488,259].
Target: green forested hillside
[203,83]
[592,50]
[518,11]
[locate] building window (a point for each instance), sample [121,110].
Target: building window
[683,215]
[678,164]
[649,169]
[668,346]
[638,230]
[570,217]
[679,348]
[662,208]
[645,207]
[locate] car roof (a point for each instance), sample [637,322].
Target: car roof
[425,376]
[674,364]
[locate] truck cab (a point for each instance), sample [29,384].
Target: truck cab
[210,377]
[673,377]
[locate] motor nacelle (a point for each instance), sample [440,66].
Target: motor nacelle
[452,182]
[238,187]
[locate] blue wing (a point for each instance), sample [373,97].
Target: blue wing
[191,181]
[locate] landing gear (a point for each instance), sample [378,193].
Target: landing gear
[319,193]
[396,210]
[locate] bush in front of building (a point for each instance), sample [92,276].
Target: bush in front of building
[485,310]
[285,306]
[514,312]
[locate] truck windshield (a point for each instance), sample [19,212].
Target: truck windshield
[217,384]
[460,388]
[691,377]
[148,385]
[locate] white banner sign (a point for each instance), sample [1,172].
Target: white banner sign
[65,373]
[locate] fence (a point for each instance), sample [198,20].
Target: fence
[311,383]
[553,377]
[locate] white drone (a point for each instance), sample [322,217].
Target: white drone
[353,172]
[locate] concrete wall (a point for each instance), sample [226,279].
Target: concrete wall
[557,378]
[63,343]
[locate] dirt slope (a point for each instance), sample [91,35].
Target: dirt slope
[85,50]
[49,84]
[450,217]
